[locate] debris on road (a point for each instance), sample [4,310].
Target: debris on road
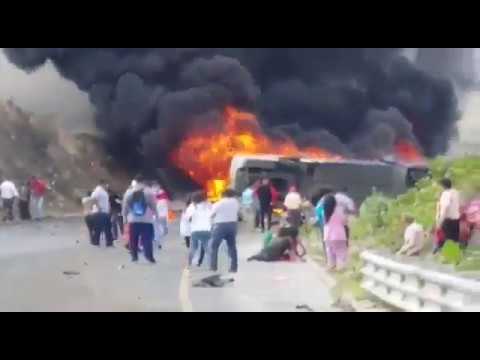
[121,267]
[304,307]
[71,273]
[214,281]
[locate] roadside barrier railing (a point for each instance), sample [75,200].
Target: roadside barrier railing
[415,289]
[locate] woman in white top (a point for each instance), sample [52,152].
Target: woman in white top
[448,212]
[199,213]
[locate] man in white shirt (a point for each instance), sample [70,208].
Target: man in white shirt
[448,211]
[293,204]
[225,219]
[9,193]
[199,213]
[103,223]
[414,238]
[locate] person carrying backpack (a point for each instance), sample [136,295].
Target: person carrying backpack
[139,210]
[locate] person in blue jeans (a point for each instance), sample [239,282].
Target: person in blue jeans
[225,214]
[199,214]
[139,208]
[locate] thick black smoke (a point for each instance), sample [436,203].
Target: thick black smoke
[354,101]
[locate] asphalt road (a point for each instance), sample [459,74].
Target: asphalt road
[50,266]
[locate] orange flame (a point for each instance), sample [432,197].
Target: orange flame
[206,157]
[408,153]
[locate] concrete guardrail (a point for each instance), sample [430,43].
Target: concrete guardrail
[412,288]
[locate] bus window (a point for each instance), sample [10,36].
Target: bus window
[414,175]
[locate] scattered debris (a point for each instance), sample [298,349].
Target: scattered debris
[121,267]
[71,273]
[214,281]
[85,263]
[304,307]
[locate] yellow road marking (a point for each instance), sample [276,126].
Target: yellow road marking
[184,292]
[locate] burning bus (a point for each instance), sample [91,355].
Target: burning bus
[313,176]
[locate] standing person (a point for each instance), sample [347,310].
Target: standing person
[9,193]
[335,235]
[264,194]
[103,224]
[200,215]
[24,201]
[38,189]
[256,204]
[448,213]
[293,204]
[90,211]
[161,223]
[115,214]
[349,208]
[225,225]
[185,228]
[139,209]
[248,204]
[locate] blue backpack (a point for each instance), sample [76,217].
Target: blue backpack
[138,205]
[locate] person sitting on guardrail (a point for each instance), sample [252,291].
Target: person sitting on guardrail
[414,237]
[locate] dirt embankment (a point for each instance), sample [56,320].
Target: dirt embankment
[72,164]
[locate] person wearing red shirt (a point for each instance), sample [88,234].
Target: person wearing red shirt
[38,189]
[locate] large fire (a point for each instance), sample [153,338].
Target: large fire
[206,156]
[407,152]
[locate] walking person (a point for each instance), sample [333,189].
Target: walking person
[90,211]
[9,193]
[265,198]
[103,224]
[139,210]
[335,235]
[185,228]
[115,214]
[38,189]
[448,213]
[161,223]
[24,201]
[225,227]
[199,213]
[293,205]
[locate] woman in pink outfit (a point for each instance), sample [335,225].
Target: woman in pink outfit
[335,236]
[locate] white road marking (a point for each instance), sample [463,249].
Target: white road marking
[184,292]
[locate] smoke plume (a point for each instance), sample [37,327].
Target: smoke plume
[354,101]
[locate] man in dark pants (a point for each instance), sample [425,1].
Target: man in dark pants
[139,209]
[264,194]
[115,214]
[225,223]
[102,222]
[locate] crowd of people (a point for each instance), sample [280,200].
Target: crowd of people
[25,203]
[141,216]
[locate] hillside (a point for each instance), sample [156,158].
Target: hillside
[31,145]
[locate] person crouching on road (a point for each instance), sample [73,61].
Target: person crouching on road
[225,226]
[335,235]
[139,208]
[185,228]
[199,213]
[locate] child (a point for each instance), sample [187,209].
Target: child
[185,230]
[335,235]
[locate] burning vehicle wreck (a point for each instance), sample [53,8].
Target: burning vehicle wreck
[313,177]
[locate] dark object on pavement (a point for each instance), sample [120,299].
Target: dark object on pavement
[214,281]
[304,307]
[71,273]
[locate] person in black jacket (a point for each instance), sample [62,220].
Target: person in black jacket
[264,194]
[115,213]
